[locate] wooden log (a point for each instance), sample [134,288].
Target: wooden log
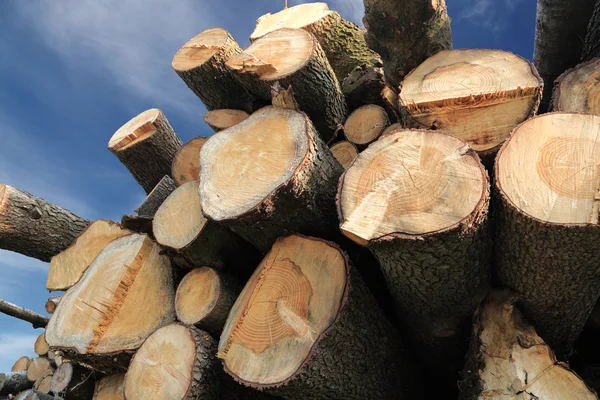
[157,196]
[389,98]
[560,29]
[343,42]
[35,319]
[476,95]
[418,200]
[365,124]
[547,227]
[125,295]
[344,152]
[224,118]
[186,165]
[283,97]
[41,346]
[21,364]
[201,65]
[146,145]
[34,395]
[33,227]
[508,360]
[591,46]
[280,178]
[67,267]
[405,33]
[42,384]
[294,58]
[52,303]
[73,382]
[110,388]
[37,368]
[180,226]
[364,84]
[14,382]
[204,298]
[577,89]
[393,128]
[175,347]
[305,326]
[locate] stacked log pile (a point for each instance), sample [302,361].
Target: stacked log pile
[364,211]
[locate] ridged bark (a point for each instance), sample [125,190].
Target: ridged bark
[33,227]
[591,46]
[156,197]
[13,383]
[34,395]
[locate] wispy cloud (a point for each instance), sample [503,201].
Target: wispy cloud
[13,346]
[486,12]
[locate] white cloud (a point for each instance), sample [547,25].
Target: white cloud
[13,346]
[131,41]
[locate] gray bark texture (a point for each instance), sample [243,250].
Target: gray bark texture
[14,383]
[360,356]
[316,90]
[34,395]
[215,85]
[591,46]
[156,197]
[150,160]
[305,204]
[559,34]
[33,227]
[553,267]
[73,382]
[405,33]
[35,319]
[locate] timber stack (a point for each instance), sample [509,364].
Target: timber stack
[373,209]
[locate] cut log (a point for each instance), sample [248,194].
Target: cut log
[110,388]
[419,201]
[343,42]
[14,382]
[51,355]
[37,368]
[35,319]
[125,295]
[21,364]
[158,195]
[547,232]
[364,85]
[294,58]
[280,178]
[344,152]
[33,227]
[186,351]
[389,98]
[186,166]
[204,299]
[41,346]
[393,128]
[34,395]
[224,118]
[591,46]
[73,382]
[508,360]
[201,65]
[146,145]
[282,97]
[42,384]
[577,90]
[476,95]
[365,124]
[179,225]
[305,326]
[52,303]
[560,29]
[405,33]
[67,267]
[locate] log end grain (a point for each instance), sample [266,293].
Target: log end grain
[110,388]
[344,152]
[186,165]
[365,124]
[224,118]
[197,295]
[577,90]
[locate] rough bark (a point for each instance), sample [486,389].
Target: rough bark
[73,382]
[577,89]
[146,145]
[201,65]
[14,382]
[405,33]
[33,227]
[302,200]
[52,303]
[358,339]
[437,270]
[591,46]
[552,264]
[364,85]
[508,360]
[34,395]
[37,320]
[559,35]
[110,388]
[156,197]
[315,86]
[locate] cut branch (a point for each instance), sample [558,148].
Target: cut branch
[37,320]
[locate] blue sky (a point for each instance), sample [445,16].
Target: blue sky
[73,71]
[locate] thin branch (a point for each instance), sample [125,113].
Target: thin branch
[37,320]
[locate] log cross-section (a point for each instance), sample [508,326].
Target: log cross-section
[186,165]
[578,89]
